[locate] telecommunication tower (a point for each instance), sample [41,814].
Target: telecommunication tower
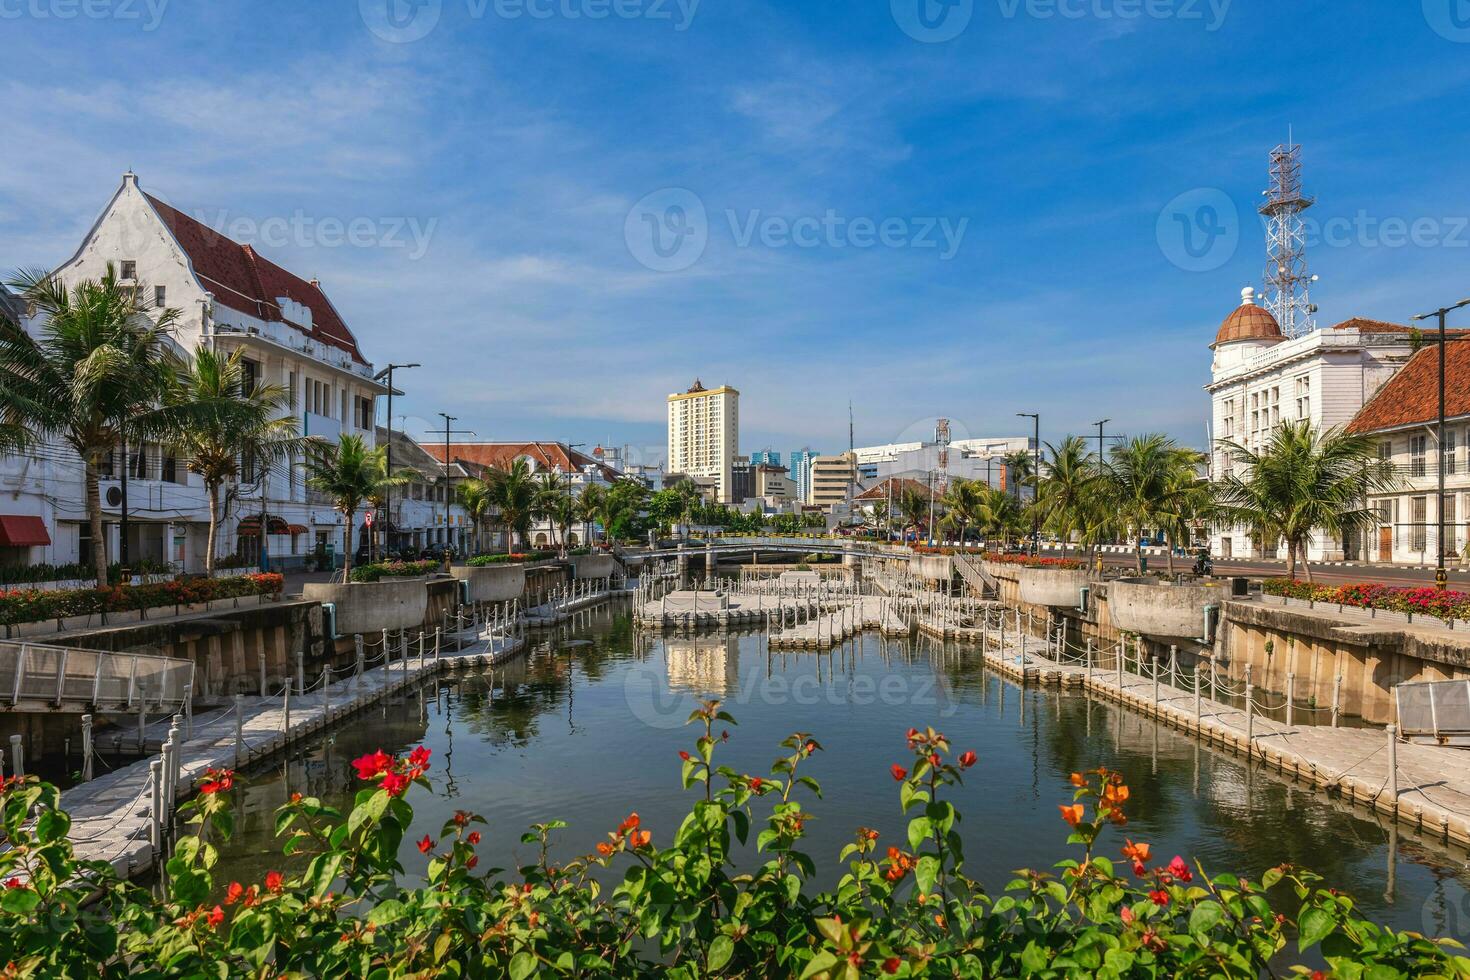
[941,437]
[1288,284]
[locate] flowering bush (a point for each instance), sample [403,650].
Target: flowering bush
[1425,600]
[1033,561]
[394,569]
[681,908]
[30,605]
[513,558]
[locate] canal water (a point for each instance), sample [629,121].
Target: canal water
[588,727]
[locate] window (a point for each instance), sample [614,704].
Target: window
[364,412]
[249,375]
[138,463]
[1419,519]
[129,269]
[1303,398]
[169,472]
[1385,450]
[1417,447]
[1450,537]
[1449,451]
[159,301]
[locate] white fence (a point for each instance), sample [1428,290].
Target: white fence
[1435,710]
[37,674]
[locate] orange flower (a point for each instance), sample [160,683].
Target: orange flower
[641,838]
[1072,814]
[899,772]
[630,824]
[1077,779]
[1137,853]
[1115,794]
[604,848]
[215,917]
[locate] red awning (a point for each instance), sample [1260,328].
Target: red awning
[249,527]
[23,531]
[296,528]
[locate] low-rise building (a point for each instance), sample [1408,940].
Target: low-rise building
[834,480]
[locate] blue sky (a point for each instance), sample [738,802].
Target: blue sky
[968,225]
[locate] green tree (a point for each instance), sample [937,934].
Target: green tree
[1302,480]
[1069,496]
[221,424]
[348,473]
[1142,484]
[962,503]
[516,496]
[1020,468]
[97,374]
[999,514]
[913,504]
[475,495]
[555,504]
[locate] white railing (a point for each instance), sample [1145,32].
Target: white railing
[38,674]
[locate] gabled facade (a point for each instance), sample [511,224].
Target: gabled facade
[229,297]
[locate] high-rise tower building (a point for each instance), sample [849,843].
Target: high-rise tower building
[704,436]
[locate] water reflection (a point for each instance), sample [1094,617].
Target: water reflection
[588,726]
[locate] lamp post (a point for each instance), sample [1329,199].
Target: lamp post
[1441,579]
[1035,418]
[449,477]
[387,372]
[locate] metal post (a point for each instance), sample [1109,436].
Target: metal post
[437,638]
[1336,699]
[142,716]
[388,650]
[155,792]
[1250,715]
[326,693]
[300,672]
[188,711]
[86,748]
[17,757]
[168,770]
[239,729]
[1173,666]
[1156,687]
[1088,654]
[1393,764]
[1198,705]
[1290,697]
[286,708]
[262,674]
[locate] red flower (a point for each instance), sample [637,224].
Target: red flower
[756,783]
[395,783]
[899,772]
[372,765]
[629,824]
[474,860]
[892,964]
[684,756]
[217,781]
[1179,869]
[426,845]
[1126,914]
[968,759]
[215,917]
[13,883]
[419,758]
[234,892]
[273,882]
[641,838]
[474,837]
[604,848]
[934,759]
[1159,897]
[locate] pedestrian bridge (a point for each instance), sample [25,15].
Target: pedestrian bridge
[787,545]
[42,677]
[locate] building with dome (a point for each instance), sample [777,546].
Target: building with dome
[1260,378]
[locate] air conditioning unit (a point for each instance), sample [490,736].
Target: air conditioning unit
[329,620]
[114,496]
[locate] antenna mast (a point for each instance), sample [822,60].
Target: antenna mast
[1288,285]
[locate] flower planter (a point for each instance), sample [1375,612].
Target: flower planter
[371,607]
[595,566]
[492,583]
[1060,587]
[933,568]
[1155,608]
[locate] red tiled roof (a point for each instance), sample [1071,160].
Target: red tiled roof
[1412,395]
[244,280]
[1248,322]
[1365,325]
[546,455]
[900,484]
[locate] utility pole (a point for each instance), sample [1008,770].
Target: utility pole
[1441,578]
[449,476]
[388,491]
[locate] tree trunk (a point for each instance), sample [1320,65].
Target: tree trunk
[1306,565]
[1291,560]
[1169,543]
[213,537]
[1138,551]
[346,547]
[94,519]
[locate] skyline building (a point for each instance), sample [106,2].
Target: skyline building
[704,436]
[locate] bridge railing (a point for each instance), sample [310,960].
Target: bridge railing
[33,674]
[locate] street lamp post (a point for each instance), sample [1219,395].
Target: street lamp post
[388,490]
[449,477]
[1441,579]
[1035,418]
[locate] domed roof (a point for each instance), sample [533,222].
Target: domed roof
[1248,322]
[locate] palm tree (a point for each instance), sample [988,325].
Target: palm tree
[591,509]
[221,425]
[475,496]
[1067,497]
[1141,483]
[1302,480]
[962,506]
[1188,502]
[554,503]
[513,493]
[97,374]
[690,500]
[1021,466]
[999,513]
[913,504]
[349,473]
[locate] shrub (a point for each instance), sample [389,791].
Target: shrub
[30,605]
[1423,601]
[682,908]
[513,558]
[1032,561]
[379,570]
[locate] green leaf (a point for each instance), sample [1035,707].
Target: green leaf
[19,901]
[919,830]
[925,871]
[1205,917]
[522,965]
[1315,924]
[720,952]
[824,960]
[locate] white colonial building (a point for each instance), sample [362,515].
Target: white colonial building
[1260,378]
[230,297]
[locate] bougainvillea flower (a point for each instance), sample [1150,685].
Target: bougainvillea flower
[395,783]
[215,917]
[1159,897]
[641,838]
[1072,814]
[372,764]
[899,772]
[1136,853]
[1179,869]
[968,759]
[474,837]
[426,845]
[273,882]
